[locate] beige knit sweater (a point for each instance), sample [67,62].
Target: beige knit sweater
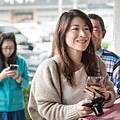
[45,95]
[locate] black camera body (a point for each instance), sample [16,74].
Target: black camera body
[97,105]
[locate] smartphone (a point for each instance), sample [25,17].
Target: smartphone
[13,67]
[94,80]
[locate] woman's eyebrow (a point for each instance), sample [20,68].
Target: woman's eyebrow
[77,25]
[95,26]
[74,25]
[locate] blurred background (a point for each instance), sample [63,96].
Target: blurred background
[33,22]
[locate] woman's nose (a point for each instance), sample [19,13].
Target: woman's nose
[81,34]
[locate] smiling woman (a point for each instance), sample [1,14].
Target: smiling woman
[57,89]
[79,32]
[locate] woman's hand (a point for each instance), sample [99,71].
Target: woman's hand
[83,110]
[92,91]
[17,77]
[10,73]
[103,89]
[6,73]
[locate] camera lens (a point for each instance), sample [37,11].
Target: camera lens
[97,108]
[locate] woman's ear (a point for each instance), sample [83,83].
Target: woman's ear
[104,32]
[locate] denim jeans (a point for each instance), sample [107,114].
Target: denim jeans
[15,115]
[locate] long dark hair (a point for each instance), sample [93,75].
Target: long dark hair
[12,58]
[60,46]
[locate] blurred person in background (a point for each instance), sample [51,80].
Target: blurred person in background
[111,60]
[58,89]
[11,81]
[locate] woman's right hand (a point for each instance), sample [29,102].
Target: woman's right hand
[6,73]
[84,110]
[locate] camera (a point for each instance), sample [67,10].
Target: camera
[97,105]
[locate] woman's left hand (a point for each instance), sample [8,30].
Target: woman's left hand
[16,75]
[92,91]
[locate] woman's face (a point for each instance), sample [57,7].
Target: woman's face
[8,48]
[78,35]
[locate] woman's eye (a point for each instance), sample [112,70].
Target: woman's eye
[75,29]
[87,28]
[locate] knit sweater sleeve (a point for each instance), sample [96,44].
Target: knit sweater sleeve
[108,84]
[45,95]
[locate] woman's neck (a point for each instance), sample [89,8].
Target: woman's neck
[6,59]
[76,56]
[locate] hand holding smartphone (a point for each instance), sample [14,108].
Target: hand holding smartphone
[94,80]
[13,67]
